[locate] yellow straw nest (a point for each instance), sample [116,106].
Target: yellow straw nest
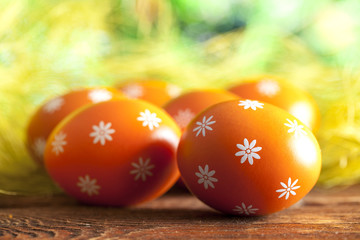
[47,49]
[339,135]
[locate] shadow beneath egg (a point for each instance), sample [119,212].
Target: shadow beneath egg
[177,205]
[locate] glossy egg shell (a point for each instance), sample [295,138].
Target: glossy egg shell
[114,153]
[278,92]
[154,91]
[249,158]
[53,111]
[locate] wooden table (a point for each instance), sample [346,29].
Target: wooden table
[324,214]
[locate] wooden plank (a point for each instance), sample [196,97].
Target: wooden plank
[330,214]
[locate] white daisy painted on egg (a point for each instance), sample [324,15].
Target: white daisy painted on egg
[173,90]
[268,87]
[288,189]
[39,147]
[295,128]
[99,95]
[183,117]
[133,91]
[245,210]
[142,169]
[206,177]
[204,126]
[54,105]
[88,185]
[58,143]
[102,133]
[149,119]
[248,151]
[253,104]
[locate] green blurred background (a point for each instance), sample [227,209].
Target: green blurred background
[49,47]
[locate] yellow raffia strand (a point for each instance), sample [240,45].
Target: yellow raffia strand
[47,49]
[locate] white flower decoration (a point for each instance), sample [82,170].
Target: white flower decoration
[59,143]
[39,147]
[248,151]
[149,119]
[88,185]
[102,133]
[250,104]
[287,189]
[296,128]
[243,209]
[173,90]
[206,177]
[133,91]
[54,105]
[99,95]
[183,117]
[268,87]
[142,169]
[203,126]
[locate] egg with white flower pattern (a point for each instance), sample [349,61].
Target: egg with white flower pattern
[115,153]
[246,157]
[54,110]
[280,93]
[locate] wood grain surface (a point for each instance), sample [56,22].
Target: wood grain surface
[323,214]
